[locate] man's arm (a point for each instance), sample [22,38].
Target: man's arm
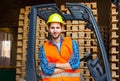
[74,61]
[47,68]
[58,70]
[52,68]
[75,57]
[65,66]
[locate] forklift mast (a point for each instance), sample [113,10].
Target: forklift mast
[77,12]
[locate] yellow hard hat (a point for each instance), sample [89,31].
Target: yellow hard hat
[55,17]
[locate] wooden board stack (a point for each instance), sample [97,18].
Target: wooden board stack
[23,26]
[113,48]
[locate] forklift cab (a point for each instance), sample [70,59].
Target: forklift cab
[77,12]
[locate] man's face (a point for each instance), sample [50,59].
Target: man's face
[55,30]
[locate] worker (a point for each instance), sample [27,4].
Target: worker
[59,56]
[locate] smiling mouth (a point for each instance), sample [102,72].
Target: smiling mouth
[55,34]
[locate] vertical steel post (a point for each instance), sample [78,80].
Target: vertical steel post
[31,74]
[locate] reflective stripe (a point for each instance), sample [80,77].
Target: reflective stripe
[62,74]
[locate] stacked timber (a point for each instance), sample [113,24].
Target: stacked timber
[22,40]
[113,48]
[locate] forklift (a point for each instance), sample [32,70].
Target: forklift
[77,12]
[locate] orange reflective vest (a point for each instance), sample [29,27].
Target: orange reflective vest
[54,56]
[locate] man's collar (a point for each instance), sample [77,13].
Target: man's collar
[51,41]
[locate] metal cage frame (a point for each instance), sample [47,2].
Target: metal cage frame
[77,12]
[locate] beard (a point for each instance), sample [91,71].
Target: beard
[55,36]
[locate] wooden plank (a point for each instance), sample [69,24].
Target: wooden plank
[20,23]
[18,77]
[114,34]
[93,5]
[81,34]
[114,58]
[21,16]
[94,49]
[81,50]
[68,22]
[114,11]
[93,43]
[19,57]
[94,11]
[114,66]
[115,74]
[27,8]
[80,42]
[114,17]
[89,79]
[87,35]
[113,50]
[19,50]
[74,22]
[20,29]
[88,4]
[18,70]
[115,79]
[22,10]
[20,36]
[19,43]
[85,73]
[114,27]
[18,63]
[114,42]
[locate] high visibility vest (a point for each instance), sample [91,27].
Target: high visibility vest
[54,56]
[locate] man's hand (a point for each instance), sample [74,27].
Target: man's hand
[65,66]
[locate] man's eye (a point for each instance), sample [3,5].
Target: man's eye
[52,27]
[57,27]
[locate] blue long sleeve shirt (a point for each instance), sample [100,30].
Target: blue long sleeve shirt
[48,67]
